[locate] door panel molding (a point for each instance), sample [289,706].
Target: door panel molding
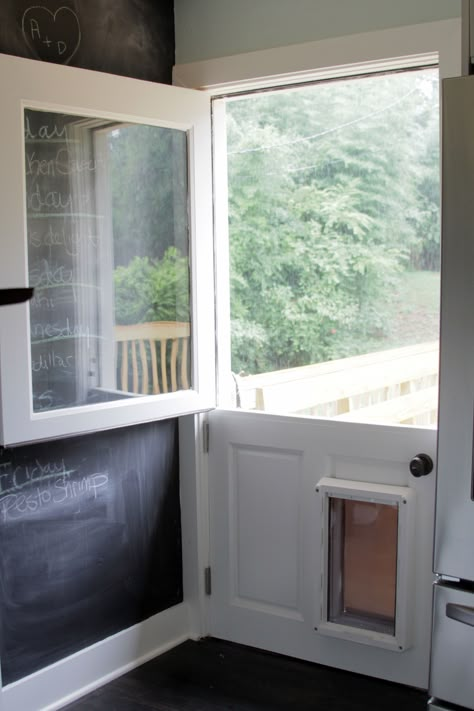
[265,532]
[295,453]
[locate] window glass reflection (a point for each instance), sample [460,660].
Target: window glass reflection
[108,257]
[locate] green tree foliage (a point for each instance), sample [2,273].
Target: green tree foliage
[147,290]
[148,172]
[148,177]
[333,193]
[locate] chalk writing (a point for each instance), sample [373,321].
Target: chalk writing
[91,484]
[61,164]
[50,35]
[52,493]
[57,200]
[70,240]
[42,331]
[61,170]
[52,199]
[41,301]
[51,360]
[45,131]
[48,275]
[15,478]
[45,300]
[45,400]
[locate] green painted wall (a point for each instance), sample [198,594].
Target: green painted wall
[206,29]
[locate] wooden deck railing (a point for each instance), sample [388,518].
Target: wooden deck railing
[153,357]
[398,385]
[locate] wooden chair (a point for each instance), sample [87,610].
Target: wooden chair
[153,357]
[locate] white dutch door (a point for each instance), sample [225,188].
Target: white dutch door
[328,279]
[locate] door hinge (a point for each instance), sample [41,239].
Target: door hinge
[207,580]
[205,437]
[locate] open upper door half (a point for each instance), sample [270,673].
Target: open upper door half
[106,202]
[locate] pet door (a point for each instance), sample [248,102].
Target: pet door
[366,562]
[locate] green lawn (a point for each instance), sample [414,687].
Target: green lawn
[414,310]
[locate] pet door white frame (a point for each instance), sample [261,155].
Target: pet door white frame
[395,496]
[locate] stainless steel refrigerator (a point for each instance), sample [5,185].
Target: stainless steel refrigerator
[452,659]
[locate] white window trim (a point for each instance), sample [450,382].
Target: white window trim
[58,89]
[433,43]
[341,56]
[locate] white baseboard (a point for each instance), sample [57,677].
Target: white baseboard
[70,678]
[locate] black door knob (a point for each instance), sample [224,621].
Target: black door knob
[421,465]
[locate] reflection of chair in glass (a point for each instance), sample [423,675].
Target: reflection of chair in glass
[153,357]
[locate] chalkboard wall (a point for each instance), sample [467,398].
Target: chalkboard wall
[132,38]
[90,541]
[90,534]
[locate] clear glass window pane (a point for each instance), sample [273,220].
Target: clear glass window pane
[108,257]
[334,234]
[363,539]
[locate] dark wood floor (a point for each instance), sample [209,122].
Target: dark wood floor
[212,675]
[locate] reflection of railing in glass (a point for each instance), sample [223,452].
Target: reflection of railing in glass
[153,357]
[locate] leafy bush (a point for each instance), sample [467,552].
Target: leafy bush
[147,290]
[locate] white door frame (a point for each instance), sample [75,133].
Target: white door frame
[419,45]
[340,56]
[403,47]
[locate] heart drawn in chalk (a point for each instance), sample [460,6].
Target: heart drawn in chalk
[51,36]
